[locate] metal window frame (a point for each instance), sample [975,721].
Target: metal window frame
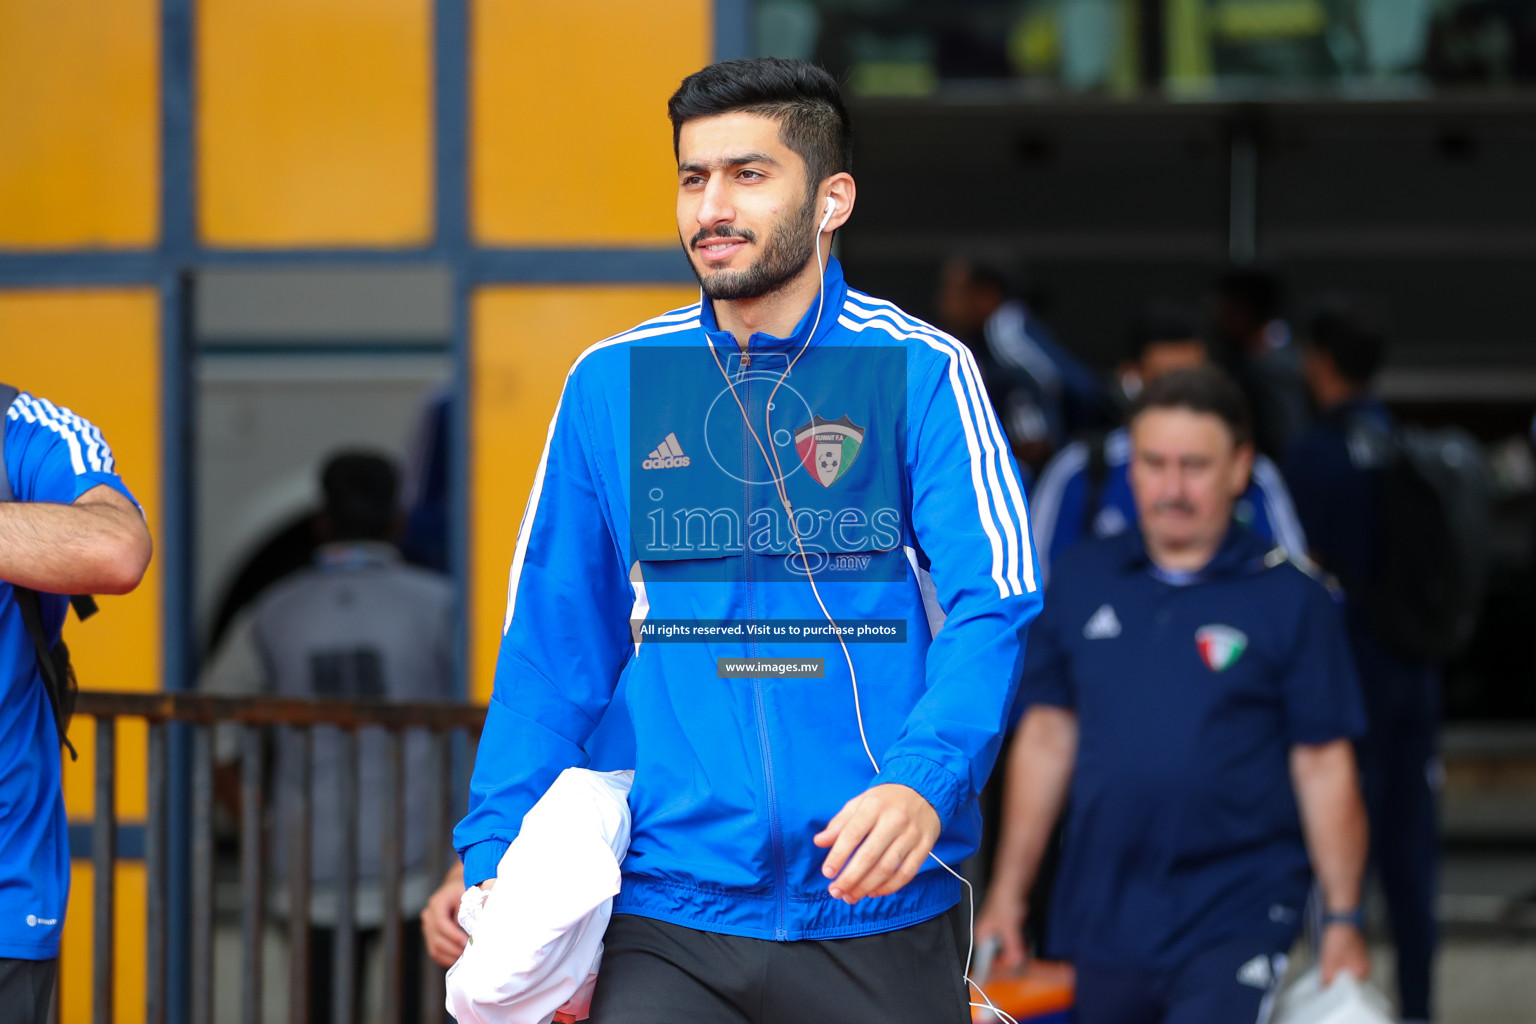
[169,267]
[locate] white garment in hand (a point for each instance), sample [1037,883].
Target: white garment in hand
[1346,1001]
[536,940]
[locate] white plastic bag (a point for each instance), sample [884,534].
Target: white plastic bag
[1347,1001]
[536,939]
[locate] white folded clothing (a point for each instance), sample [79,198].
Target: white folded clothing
[1346,1001]
[536,940]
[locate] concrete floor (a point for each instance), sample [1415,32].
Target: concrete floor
[227,972]
[1479,980]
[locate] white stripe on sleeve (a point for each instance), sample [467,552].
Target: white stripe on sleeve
[1283,519]
[1005,469]
[1050,488]
[999,466]
[96,451]
[38,412]
[983,501]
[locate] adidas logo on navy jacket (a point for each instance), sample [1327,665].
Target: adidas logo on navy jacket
[910,506]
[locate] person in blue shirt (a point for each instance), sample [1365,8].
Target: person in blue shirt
[1191,688]
[1336,473]
[68,525]
[1043,394]
[1085,490]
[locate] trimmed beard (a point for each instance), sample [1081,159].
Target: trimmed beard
[788,249]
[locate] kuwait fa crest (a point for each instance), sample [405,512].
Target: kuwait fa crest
[828,447]
[1220,646]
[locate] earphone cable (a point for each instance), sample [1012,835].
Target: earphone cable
[782,491]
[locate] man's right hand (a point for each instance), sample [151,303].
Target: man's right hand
[1003,920]
[1343,949]
[440,920]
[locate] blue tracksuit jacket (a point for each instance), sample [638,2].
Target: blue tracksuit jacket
[653,502]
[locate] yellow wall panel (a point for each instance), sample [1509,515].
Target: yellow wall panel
[79,123]
[570,143]
[523,340]
[97,351]
[314,122]
[128,926]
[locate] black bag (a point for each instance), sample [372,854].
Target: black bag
[1432,548]
[53,662]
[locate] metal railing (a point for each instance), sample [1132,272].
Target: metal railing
[257,718]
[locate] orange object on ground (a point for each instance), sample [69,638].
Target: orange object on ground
[1042,994]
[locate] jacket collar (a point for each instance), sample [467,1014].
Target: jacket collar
[1241,552]
[834,290]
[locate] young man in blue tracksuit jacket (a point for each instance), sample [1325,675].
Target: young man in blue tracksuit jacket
[701,472]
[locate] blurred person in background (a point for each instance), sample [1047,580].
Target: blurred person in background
[1337,471]
[68,525]
[359,625]
[1191,688]
[1085,490]
[1042,394]
[424,487]
[1254,345]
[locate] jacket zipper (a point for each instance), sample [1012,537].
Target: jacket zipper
[759,706]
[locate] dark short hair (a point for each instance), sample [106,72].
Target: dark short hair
[360,490]
[1159,321]
[1349,333]
[804,99]
[1255,288]
[1202,389]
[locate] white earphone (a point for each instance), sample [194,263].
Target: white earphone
[771,456]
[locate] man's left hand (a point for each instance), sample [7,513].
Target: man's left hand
[888,831]
[440,929]
[1343,950]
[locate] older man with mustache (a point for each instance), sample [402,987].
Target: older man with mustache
[1191,688]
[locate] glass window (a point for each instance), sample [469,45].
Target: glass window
[1183,48]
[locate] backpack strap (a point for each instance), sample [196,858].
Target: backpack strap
[52,664]
[1097,475]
